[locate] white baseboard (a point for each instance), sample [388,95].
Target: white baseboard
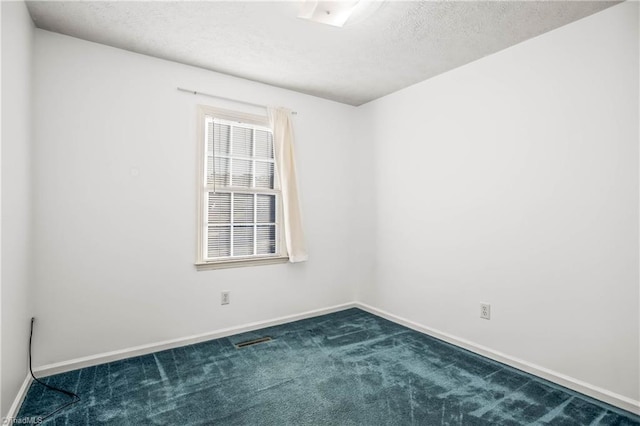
[601,394]
[17,402]
[88,361]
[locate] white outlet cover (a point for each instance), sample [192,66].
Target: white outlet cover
[485,311]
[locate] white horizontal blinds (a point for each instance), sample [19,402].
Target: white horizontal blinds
[243,224]
[241,191]
[265,223]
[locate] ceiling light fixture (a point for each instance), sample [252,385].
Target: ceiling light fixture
[335,13]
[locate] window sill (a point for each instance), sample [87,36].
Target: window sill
[240,263]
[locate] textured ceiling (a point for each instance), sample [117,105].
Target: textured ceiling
[400,43]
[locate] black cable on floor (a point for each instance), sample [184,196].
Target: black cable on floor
[75,397]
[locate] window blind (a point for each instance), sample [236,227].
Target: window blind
[241,191]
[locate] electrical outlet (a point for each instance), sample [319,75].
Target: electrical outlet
[225,297]
[485,311]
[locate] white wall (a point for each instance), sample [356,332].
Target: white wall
[115,253]
[17,39]
[514,181]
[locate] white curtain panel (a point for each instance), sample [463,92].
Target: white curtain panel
[280,121]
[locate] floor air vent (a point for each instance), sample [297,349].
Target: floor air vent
[253,342]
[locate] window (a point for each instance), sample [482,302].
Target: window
[239,197]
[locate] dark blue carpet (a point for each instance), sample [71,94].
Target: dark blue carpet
[347,368]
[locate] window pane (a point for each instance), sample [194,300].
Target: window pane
[242,240]
[241,173]
[219,241]
[266,239]
[221,138]
[210,176]
[209,136]
[219,207]
[242,142]
[264,144]
[266,205]
[222,172]
[242,208]
[264,175]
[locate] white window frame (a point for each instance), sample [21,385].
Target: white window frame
[203,188]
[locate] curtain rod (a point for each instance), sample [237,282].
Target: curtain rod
[194,92]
